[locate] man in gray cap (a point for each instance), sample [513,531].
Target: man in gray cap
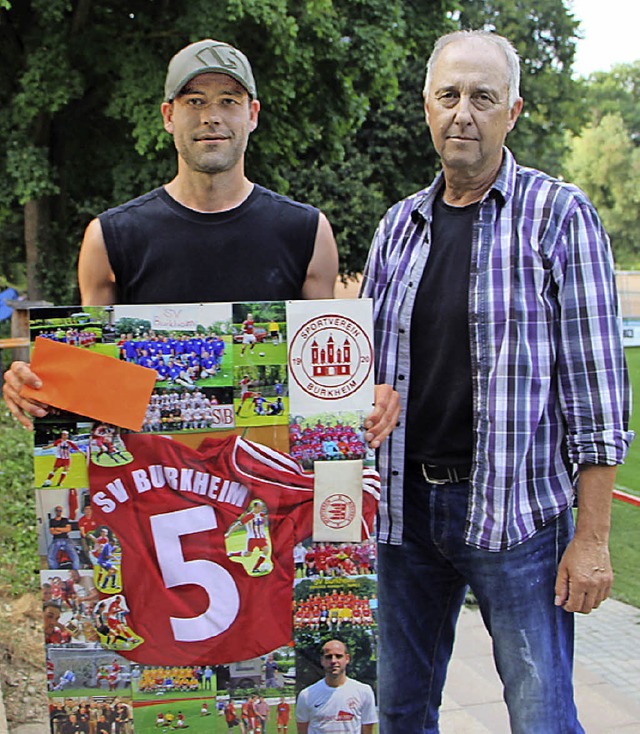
[210,234]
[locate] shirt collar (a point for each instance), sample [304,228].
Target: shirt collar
[502,188]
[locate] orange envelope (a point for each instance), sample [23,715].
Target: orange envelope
[91,384]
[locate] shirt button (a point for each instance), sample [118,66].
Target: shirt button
[401,377]
[395,473]
[401,331]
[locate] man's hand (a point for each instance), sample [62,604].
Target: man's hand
[24,410]
[385,415]
[585,576]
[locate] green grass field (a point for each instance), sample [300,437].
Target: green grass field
[248,416]
[77,477]
[273,354]
[144,717]
[625,518]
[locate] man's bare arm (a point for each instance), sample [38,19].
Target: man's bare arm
[95,276]
[303,727]
[323,266]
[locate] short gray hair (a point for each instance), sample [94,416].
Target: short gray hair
[513,61]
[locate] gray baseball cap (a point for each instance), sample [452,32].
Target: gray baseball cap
[204,56]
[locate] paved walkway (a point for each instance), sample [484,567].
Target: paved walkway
[607,677]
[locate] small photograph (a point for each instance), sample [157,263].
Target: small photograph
[254,687]
[346,666]
[248,540]
[106,556]
[328,437]
[87,673]
[69,599]
[256,713]
[61,449]
[188,345]
[106,447]
[259,333]
[261,395]
[65,528]
[111,624]
[168,681]
[334,560]
[332,606]
[174,697]
[101,714]
[173,410]
[86,328]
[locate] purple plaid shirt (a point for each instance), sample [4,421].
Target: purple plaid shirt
[550,385]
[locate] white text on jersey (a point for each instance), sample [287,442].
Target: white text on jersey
[157,476]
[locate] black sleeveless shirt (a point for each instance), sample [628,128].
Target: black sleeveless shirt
[163,252]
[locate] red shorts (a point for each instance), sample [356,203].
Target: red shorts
[254,543]
[62,463]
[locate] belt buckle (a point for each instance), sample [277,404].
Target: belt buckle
[431,480]
[452,476]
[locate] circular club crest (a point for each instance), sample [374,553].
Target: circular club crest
[330,357]
[337,511]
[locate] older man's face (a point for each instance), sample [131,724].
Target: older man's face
[467,107]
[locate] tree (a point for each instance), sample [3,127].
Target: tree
[615,92]
[84,79]
[605,163]
[340,83]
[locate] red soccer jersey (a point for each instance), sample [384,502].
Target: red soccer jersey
[63,448]
[86,525]
[169,508]
[283,712]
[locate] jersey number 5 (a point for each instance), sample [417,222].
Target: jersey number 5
[224,600]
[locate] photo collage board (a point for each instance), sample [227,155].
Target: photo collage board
[192,570]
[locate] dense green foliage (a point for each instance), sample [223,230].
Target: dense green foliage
[604,157]
[615,92]
[18,538]
[342,124]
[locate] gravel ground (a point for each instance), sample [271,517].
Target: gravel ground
[22,669]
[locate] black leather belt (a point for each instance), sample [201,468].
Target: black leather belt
[445,474]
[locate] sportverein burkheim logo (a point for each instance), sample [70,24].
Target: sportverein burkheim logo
[330,357]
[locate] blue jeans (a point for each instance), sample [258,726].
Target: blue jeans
[422,584]
[68,546]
